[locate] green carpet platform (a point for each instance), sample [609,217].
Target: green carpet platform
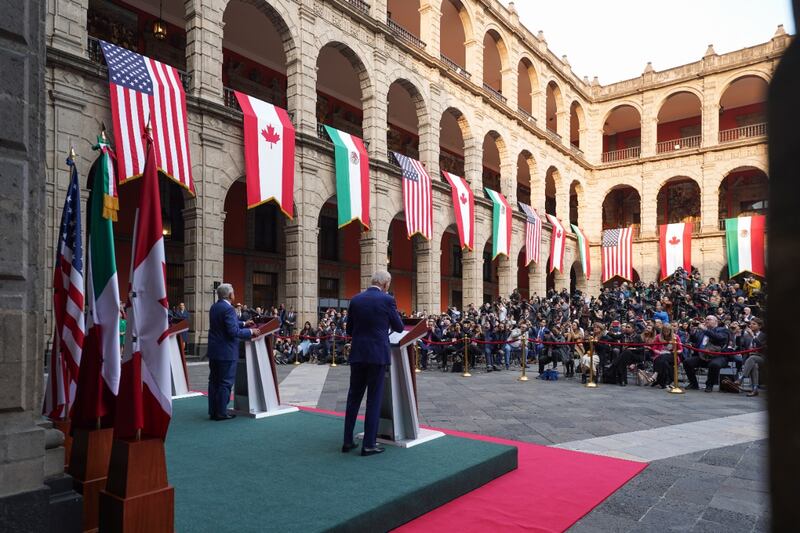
[287,473]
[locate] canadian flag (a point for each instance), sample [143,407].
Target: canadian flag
[268,153]
[675,247]
[464,206]
[144,401]
[557,244]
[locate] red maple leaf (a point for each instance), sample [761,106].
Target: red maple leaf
[463,198]
[270,136]
[558,233]
[674,240]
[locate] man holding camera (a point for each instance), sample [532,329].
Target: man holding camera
[712,337]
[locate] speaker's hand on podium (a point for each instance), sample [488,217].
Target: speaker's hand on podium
[249,323]
[254,332]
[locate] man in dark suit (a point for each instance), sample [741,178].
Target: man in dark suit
[371,315]
[225,330]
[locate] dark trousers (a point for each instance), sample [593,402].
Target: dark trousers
[369,378]
[221,377]
[664,365]
[714,365]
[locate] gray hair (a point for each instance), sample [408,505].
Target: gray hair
[224,291]
[381,278]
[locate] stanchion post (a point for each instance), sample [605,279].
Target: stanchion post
[466,373]
[592,378]
[296,350]
[333,350]
[675,388]
[524,358]
[416,359]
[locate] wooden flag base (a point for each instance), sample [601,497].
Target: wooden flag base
[63,426]
[88,466]
[137,495]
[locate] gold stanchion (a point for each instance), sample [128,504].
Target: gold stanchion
[524,358]
[333,350]
[416,359]
[466,373]
[675,388]
[592,383]
[297,352]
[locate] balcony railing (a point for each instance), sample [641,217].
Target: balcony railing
[621,155]
[455,67]
[404,35]
[576,150]
[360,5]
[494,93]
[95,53]
[553,135]
[745,132]
[525,115]
[229,99]
[674,145]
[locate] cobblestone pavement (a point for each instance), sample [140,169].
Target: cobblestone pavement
[719,488]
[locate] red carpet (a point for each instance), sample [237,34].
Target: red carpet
[549,491]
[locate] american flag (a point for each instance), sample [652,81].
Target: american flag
[68,297]
[416,196]
[142,90]
[533,234]
[616,251]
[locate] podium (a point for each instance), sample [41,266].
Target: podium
[177,361]
[399,421]
[256,389]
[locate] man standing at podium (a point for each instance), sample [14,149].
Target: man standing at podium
[371,315]
[224,331]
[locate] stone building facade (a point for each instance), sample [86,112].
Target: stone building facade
[551,136]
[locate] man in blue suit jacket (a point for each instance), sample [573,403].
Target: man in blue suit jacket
[370,317]
[224,331]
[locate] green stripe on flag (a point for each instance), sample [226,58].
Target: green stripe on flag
[341,159]
[732,245]
[101,229]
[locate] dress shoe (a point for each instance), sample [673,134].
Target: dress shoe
[372,451]
[752,393]
[223,417]
[349,446]
[692,386]
[710,389]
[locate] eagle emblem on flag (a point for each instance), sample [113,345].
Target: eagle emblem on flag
[354,158]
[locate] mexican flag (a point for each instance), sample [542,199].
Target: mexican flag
[583,247]
[98,380]
[352,177]
[744,238]
[675,247]
[144,401]
[501,224]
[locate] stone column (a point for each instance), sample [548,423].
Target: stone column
[649,197]
[375,242]
[649,125]
[508,178]
[472,278]
[429,275]
[301,267]
[474,56]
[509,77]
[537,274]
[506,275]
[378,9]
[710,128]
[301,70]
[66,25]
[473,162]
[430,16]
[709,199]
[429,135]
[204,32]
[376,108]
[562,121]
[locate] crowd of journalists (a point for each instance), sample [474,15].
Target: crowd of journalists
[630,330]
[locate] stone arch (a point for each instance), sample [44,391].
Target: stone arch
[527,87]
[554,106]
[327,59]
[406,136]
[552,184]
[577,123]
[575,201]
[622,132]
[743,190]
[495,58]
[679,200]
[738,75]
[622,207]
[454,131]
[453,50]
[679,121]
[742,106]
[242,20]
[494,153]
[526,170]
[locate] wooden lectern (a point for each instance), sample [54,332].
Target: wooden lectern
[399,422]
[177,361]
[256,390]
